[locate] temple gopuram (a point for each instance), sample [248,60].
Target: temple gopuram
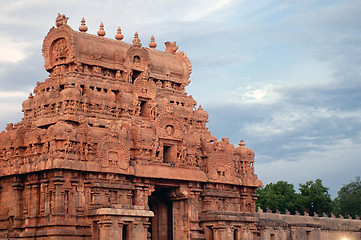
[112,147]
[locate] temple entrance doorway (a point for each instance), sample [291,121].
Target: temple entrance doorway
[161,227]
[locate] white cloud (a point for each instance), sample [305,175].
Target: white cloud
[292,118]
[198,10]
[13,94]
[11,51]
[256,94]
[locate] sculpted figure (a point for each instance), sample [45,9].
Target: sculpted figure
[118,75]
[60,49]
[61,20]
[111,129]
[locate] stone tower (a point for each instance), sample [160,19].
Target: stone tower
[112,147]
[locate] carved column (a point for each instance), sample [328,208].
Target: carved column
[18,189]
[138,195]
[58,201]
[49,201]
[44,183]
[120,230]
[253,204]
[66,199]
[220,232]
[26,202]
[193,211]
[35,200]
[74,203]
[246,234]
[139,231]
[181,216]
[86,198]
[141,194]
[243,197]
[106,231]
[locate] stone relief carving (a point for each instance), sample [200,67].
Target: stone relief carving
[112,153]
[169,126]
[109,126]
[59,50]
[144,88]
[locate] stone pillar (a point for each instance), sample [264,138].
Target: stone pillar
[193,213]
[120,230]
[85,199]
[58,201]
[44,183]
[106,230]
[1,197]
[49,201]
[146,225]
[34,199]
[26,201]
[243,202]
[220,233]
[138,196]
[74,201]
[181,226]
[17,202]
[66,199]
[246,234]
[139,230]
[181,213]
[18,188]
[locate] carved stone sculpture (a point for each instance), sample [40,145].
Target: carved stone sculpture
[110,147]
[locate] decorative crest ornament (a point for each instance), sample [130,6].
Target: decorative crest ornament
[171,47]
[119,36]
[152,43]
[101,31]
[136,40]
[83,27]
[241,143]
[61,19]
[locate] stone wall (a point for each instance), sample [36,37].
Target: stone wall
[273,226]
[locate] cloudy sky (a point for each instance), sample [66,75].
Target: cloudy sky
[283,75]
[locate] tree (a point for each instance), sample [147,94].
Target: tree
[315,197]
[348,200]
[281,196]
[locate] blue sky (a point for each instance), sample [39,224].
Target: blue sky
[282,75]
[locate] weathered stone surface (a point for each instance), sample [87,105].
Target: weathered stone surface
[112,147]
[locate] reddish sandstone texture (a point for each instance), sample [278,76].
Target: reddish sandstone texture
[112,147]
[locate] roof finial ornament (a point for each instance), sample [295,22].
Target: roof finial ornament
[241,143]
[83,27]
[136,40]
[171,47]
[61,19]
[152,43]
[119,36]
[101,31]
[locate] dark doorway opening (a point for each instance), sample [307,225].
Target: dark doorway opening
[143,109]
[125,235]
[167,154]
[161,227]
[135,75]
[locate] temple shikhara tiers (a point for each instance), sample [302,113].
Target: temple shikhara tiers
[112,147]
